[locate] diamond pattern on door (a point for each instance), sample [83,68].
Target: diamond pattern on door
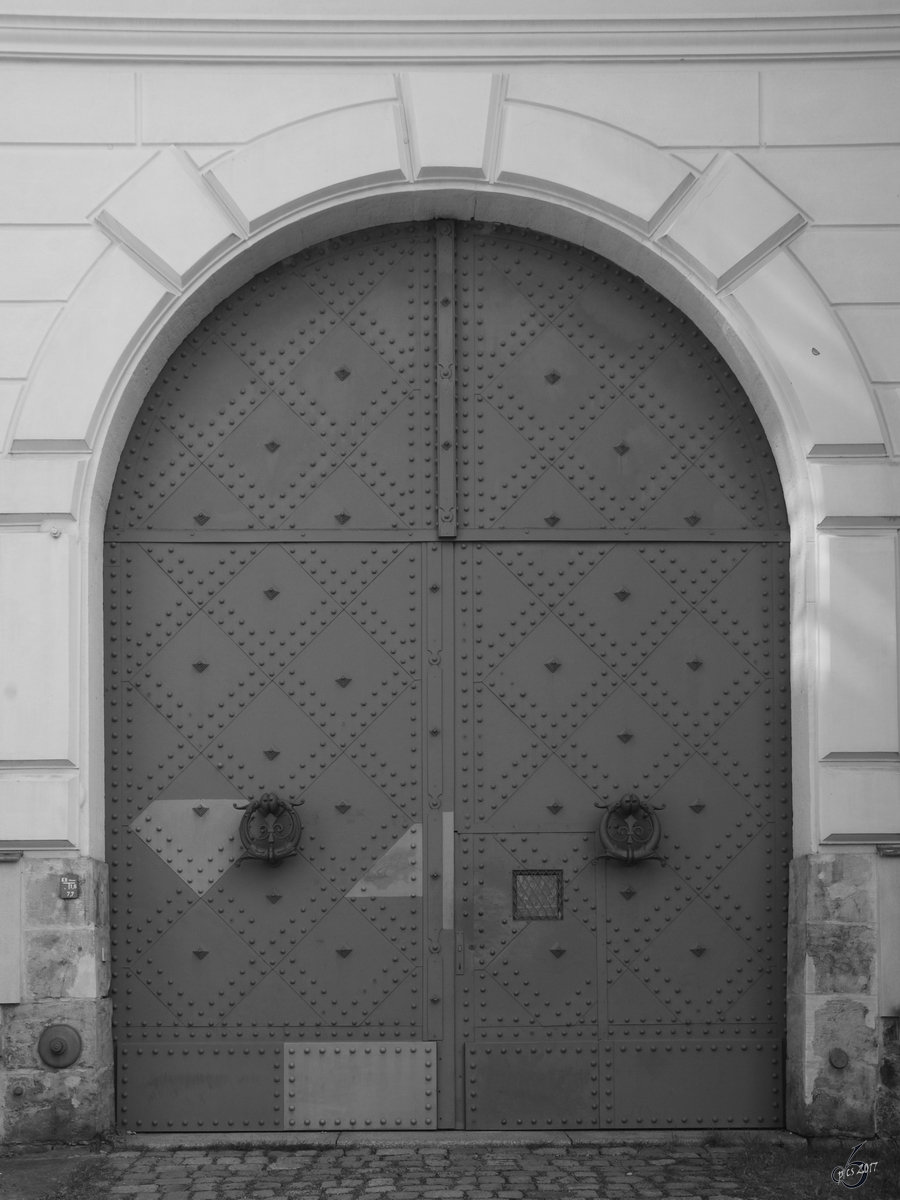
[621,609]
[344,967]
[695,679]
[344,808]
[551,393]
[623,464]
[268,461]
[549,575]
[271,914]
[451,713]
[204,570]
[625,746]
[201,502]
[344,680]
[273,746]
[714,821]
[200,680]
[199,969]
[550,682]
[198,840]
[552,798]
[222,389]
[272,609]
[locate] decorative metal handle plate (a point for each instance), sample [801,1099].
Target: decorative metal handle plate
[630,831]
[270,829]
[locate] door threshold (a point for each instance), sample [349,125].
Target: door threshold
[461,1137]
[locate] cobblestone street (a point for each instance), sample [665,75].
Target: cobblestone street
[428,1172]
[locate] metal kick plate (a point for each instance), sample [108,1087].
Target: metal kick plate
[532,1086]
[359,1085]
[686,1083]
[174,1086]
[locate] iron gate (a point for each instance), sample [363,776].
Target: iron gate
[446,566]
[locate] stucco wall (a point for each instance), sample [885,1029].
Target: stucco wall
[757,185]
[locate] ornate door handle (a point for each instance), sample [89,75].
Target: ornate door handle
[630,831]
[270,829]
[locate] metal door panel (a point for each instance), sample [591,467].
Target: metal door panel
[551,799]
[273,745]
[350,1086]
[202,502]
[730,1084]
[548,574]
[199,841]
[290,615]
[146,912]
[696,964]
[619,323]
[630,1000]
[344,967]
[275,1009]
[695,502]
[227,1087]
[695,679]
[623,464]
[152,754]
[621,609]
[345,570]
[551,1086]
[703,807]
[394,461]
[206,387]
[200,680]
[343,808]
[548,502]
[272,910]
[268,461]
[624,746]
[551,392]
[550,969]
[687,396]
[344,501]
[199,968]
[749,593]
[272,609]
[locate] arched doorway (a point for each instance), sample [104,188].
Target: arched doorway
[457,537]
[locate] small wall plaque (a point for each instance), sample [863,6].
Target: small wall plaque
[69,887]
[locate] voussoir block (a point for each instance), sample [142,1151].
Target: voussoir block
[168,216]
[732,220]
[440,146]
[334,153]
[586,160]
[807,346]
[80,360]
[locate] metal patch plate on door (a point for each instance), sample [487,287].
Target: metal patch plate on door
[357,1085]
[531,1086]
[181,1086]
[686,1083]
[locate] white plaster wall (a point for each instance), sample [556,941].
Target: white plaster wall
[761,194]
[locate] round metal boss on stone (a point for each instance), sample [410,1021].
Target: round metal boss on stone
[59,1045]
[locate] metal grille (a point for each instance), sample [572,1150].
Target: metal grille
[537,895]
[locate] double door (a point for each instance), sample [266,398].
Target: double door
[446,540]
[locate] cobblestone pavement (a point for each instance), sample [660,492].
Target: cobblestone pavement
[454,1172]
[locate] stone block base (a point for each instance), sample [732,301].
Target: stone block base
[40,1103]
[833,1036]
